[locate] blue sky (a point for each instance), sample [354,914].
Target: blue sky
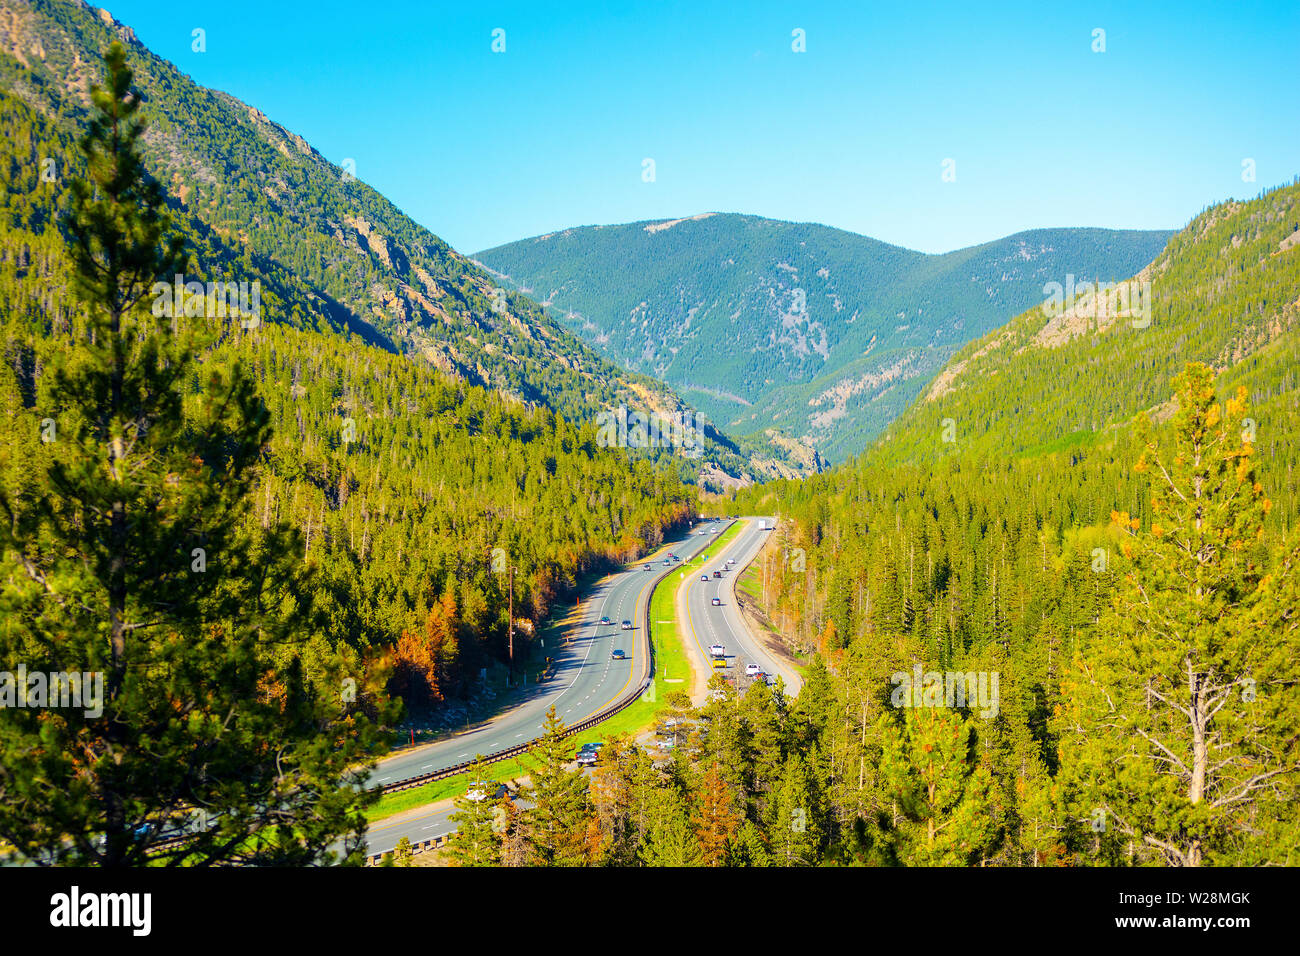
[483,148]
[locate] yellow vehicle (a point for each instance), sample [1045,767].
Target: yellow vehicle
[719,663]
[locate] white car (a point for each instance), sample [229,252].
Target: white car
[752,669]
[716,602]
[479,790]
[717,650]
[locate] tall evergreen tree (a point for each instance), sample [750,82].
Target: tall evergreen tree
[558,817]
[479,819]
[940,793]
[126,561]
[1180,710]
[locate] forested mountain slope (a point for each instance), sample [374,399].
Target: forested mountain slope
[1226,291]
[280,208]
[402,480]
[821,333]
[1121,573]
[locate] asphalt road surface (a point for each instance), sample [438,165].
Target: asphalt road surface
[587,677]
[711,624]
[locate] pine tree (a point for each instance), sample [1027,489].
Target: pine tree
[558,817]
[126,558]
[477,838]
[940,793]
[796,832]
[671,840]
[716,819]
[1178,710]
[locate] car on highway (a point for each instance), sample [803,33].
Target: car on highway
[674,557]
[719,663]
[704,578]
[619,655]
[717,650]
[717,574]
[605,622]
[716,602]
[627,625]
[479,790]
[752,669]
[649,567]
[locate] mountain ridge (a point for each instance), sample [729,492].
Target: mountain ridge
[731,308]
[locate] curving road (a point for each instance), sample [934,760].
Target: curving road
[586,680]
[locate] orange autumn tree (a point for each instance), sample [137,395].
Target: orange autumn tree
[423,663]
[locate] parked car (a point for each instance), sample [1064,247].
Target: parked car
[588,758]
[716,602]
[619,655]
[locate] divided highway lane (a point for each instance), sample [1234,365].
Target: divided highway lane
[587,678]
[723,624]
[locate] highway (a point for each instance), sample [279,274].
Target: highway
[709,624]
[586,680]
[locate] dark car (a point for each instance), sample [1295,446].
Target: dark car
[717,574]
